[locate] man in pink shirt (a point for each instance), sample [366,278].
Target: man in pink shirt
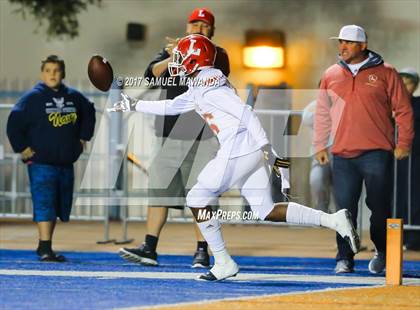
[353,118]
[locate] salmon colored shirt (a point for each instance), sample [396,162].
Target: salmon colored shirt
[356,113]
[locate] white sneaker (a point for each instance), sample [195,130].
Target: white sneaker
[220,272]
[344,266]
[344,226]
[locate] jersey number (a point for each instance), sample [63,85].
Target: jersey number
[208,117]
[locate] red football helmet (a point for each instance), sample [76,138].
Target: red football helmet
[193,52]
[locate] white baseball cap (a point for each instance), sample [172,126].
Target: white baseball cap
[351,33]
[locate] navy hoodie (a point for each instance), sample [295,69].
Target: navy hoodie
[52,123]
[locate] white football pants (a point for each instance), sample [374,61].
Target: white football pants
[248,173]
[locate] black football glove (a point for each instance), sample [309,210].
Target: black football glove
[274,161]
[279,165]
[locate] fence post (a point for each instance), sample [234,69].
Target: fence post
[106,227]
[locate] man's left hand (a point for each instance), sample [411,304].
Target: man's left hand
[401,153]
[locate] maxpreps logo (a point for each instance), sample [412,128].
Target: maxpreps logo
[54,114]
[372,79]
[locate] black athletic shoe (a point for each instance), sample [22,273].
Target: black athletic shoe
[51,257]
[141,255]
[201,259]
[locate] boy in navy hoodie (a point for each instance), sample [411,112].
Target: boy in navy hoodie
[49,126]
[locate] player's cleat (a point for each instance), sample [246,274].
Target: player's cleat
[51,257]
[201,259]
[377,263]
[141,255]
[220,272]
[344,226]
[344,266]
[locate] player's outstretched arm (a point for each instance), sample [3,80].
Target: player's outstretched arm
[178,105]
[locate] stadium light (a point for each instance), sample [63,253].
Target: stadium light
[264,49]
[265,57]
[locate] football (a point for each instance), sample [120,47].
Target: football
[100,73]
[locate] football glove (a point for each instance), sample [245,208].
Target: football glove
[127,104]
[280,166]
[274,161]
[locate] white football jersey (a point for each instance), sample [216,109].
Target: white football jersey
[234,123]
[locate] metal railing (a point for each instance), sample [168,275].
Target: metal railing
[15,196]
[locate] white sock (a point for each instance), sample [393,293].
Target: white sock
[328,220]
[222,257]
[211,231]
[299,214]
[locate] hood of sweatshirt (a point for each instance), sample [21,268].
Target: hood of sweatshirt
[374,60]
[43,88]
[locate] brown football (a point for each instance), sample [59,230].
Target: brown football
[100,73]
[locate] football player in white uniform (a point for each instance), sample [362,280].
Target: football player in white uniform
[241,159]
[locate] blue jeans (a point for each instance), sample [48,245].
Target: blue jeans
[375,169]
[52,191]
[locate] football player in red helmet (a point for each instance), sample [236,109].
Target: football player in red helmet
[176,134]
[241,159]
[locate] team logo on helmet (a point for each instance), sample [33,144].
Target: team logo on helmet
[194,52]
